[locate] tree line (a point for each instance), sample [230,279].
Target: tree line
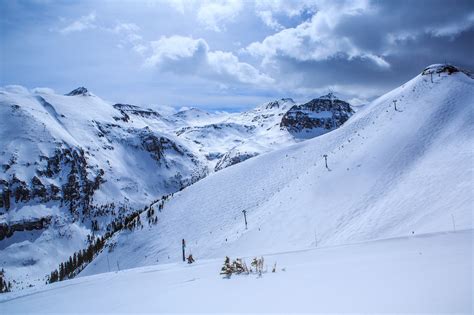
[80,259]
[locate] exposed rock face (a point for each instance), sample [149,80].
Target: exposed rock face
[76,192]
[136,110]
[7,230]
[79,91]
[444,68]
[279,103]
[316,117]
[233,157]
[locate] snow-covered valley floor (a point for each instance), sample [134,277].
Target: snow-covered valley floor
[429,273]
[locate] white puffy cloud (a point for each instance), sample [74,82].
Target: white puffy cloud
[215,14]
[186,55]
[83,23]
[227,64]
[269,20]
[177,48]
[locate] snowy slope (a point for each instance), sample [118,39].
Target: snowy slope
[390,173]
[421,274]
[69,159]
[71,162]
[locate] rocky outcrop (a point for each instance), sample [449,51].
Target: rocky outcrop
[76,192]
[82,91]
[444,68]
[7,230]
[278,103]
[137,111]
[316,117]
[156,145]
[233,157]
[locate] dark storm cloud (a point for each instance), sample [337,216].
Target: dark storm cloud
[406,36]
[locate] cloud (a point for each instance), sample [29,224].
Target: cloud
[269,20]
[129,33]
[130,36]
[177,49]
[215,14]
[165,110]
[185,55]
[227,64]
[453,28]
[178,5]
[43,90]
[285,7]
[360,48]
[14,88]
[83,23]
[251,49]
[126,28]
[314,39]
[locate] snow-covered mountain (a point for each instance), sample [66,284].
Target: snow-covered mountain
[389,173]
[230,139]
[73,163]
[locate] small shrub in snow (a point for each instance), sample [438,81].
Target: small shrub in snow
[257,263]
[239,266]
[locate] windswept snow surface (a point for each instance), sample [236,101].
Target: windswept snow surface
[390,174]
[415,274]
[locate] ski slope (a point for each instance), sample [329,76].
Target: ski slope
[415,274]
[391,173]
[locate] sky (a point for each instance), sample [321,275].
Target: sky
[229,55]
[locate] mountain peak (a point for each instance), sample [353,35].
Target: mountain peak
[79,91]
[439,68]
[278,103]
[329,96]
[316,117]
